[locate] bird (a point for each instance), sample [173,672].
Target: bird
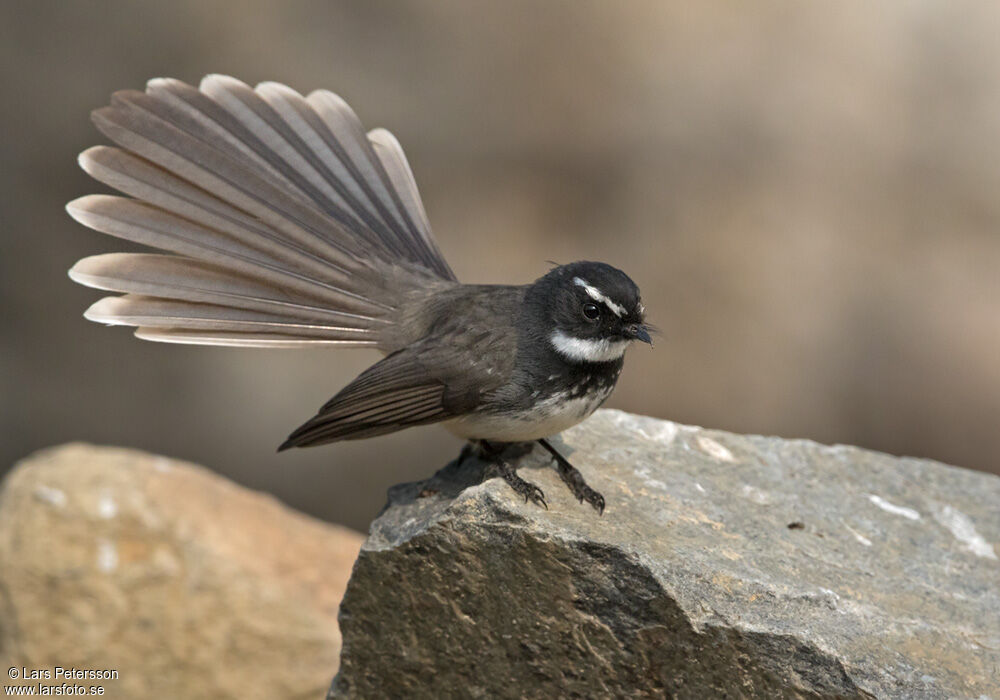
[282,223]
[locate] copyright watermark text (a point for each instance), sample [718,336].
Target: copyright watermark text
[57,681]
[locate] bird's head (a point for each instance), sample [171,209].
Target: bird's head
[592,311]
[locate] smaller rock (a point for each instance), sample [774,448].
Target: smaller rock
[185,583]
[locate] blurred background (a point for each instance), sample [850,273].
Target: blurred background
[806,194]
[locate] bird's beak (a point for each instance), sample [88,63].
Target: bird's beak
[638,331]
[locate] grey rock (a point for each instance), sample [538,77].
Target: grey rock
[724,566]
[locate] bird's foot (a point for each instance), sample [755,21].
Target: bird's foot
[572,477]
[521,487]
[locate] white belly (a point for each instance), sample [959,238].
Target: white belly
[546,418]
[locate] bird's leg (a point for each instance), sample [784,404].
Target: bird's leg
[574,479]
[532,493]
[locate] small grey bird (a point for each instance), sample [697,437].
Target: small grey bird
[288,226]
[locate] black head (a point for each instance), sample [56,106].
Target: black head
[592,311]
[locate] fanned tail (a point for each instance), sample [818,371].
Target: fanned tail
[285,223]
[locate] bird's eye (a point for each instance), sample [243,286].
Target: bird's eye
[591,311]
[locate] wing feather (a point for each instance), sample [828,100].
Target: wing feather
[385,409]
[427,382]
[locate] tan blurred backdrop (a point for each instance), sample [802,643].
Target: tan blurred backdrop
[807,194]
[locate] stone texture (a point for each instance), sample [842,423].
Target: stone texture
[187,584]
[724,566]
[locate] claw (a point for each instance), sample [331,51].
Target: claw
[593,498]
[537,497]
[531,493]
[598,503]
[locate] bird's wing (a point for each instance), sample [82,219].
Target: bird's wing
[285,222]
[427,382]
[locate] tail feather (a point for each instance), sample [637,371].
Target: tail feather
[173,277]
[234,178]
[151,312]
[323,158]
[242,339]
[287,222]
[232,118]
[346,136]
[139,222]
[390,154]
[147,182]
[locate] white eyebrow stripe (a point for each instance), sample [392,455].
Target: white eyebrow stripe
[587,350]
[595,294]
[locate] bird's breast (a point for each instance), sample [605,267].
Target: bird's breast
[546,411]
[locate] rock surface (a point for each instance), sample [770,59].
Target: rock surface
[724,566]
[187,584]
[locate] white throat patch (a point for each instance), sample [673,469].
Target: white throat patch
[587,350]
[595,294]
